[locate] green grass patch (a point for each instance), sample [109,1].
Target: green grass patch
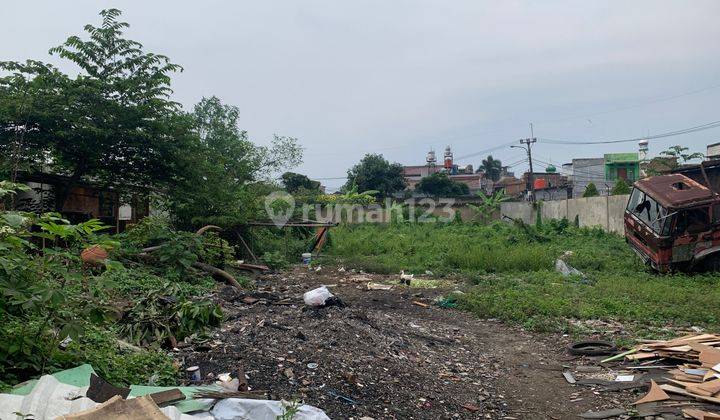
[511,271]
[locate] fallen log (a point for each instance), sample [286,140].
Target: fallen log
[204,229]
[229,279]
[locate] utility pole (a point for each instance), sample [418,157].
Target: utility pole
[528,143]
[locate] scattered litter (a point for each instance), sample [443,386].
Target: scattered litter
[566,269]
[193,373]
[227,382]
[378,286]
[624,378]
[66,342]
[654,394]
[341,397]
[312,365]
[100,390]
[591,348]
[170,396]
[239,408]
[614,412]
[587,369]
[692,374]
[447,302]
[317,297]
[117,408]
[429,273]
[569,377]
[700,414]
[341,270]
[306,258]
[406,278]
[421,304]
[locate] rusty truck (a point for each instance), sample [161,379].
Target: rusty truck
[673,222]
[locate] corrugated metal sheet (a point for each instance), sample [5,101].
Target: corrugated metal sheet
[50,399]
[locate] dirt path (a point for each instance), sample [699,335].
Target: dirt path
[382,356]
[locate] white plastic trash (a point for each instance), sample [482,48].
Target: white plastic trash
[240,408]
[317,297]
[306,258]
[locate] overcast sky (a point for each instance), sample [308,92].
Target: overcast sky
[400,77]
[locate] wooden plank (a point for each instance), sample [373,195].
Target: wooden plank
[167,397]
[677,390]
[641,356]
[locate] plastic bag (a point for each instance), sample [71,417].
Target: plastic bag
[317,297]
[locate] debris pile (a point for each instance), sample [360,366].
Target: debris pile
[80,394]
[689,369]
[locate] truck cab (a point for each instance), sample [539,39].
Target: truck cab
[673,223]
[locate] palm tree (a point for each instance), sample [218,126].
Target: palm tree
[492,168]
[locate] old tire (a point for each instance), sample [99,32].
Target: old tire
[591,348]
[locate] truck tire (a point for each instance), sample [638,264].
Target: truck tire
[710,263]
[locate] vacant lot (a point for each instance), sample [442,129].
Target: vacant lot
[511,270]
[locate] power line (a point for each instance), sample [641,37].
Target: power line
[650,102]
[702,127]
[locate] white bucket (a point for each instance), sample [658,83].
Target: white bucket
[306,258]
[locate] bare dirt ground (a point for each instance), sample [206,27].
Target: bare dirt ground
[382,356]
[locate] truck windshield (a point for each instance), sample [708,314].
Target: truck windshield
[649,211]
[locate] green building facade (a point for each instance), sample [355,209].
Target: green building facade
[622,165]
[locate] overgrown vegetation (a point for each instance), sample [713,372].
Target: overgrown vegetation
[59,310]
[113,124]
[511,267]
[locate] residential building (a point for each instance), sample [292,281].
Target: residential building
[713,151]
[558,192]
[587,170]
[511,186]
[622,165]
[85,201]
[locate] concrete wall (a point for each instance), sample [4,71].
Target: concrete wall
[605,212]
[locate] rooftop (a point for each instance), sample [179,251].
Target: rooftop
[611,158]
[674,190]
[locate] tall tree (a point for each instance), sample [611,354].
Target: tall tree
[219,166]
[492,168]
[298,182]
[114,121]
[375,173]
[681,153]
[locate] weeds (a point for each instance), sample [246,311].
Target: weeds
[511,269]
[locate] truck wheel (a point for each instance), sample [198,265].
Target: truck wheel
[710,263]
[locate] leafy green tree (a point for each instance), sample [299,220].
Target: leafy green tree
[220,169]
[492,168]
[114,121]
[591,191]
[621,187]
[680,153]
[294,182]
[375,173]
[440,185]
